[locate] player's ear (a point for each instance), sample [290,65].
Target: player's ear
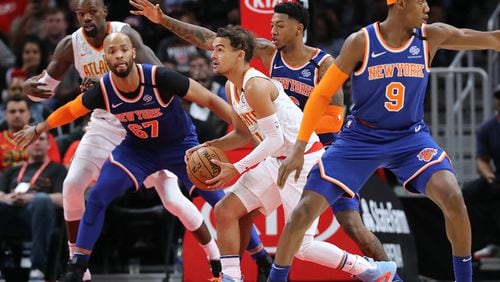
[105,10]
[133,53]
[300,29]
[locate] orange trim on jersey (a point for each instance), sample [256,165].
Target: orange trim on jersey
[155,90]
[427,54]
[118,93]
[440,159]
[98,49]
[132,177]
[386,45]
[316,70]
[234,94]
[105,95]
[390,2]
[334,181]
[367,53]
[301,66]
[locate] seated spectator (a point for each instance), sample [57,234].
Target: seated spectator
[208,125]
[17,115]
[31,59]
[39,111]
[30,193]
[482,195]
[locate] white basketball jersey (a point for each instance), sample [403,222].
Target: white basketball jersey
[289,115]
[89,62]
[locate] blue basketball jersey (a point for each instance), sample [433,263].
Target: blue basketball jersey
[298,82]
[148,119]
[388,90]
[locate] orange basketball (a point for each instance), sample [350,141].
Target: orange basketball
[200,168]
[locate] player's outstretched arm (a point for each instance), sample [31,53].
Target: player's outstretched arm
[445,36]
[64,115]
[196,35]
[201,96]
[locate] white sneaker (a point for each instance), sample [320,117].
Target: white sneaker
[86,276]
[37,275]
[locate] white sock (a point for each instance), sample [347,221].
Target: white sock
[355,264]
[231,266]
[71,248]
[211,250]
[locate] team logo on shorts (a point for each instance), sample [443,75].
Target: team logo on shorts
[427,154]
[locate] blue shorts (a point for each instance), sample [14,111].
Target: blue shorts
[139,162]
[411,154]
[346,203]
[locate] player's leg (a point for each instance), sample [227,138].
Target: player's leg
[113,182]
[324,186]
[425,168]
[443,189]
[166,185]
[346,211]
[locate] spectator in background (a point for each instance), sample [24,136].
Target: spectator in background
[17,115]
[31,22]
[208,125]
[482,195]
[29,195]
[15,88]
[55,27]
[31,59]
[326,34]
[176,49]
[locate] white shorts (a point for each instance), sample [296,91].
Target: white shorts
[257,188]
[100,138]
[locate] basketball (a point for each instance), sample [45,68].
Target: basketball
[200,168]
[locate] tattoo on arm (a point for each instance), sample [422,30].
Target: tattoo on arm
[197,35]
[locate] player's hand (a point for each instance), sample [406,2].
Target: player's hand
[87,83]
[190,151]
[227,173]
[293,162]
[25,137]
[32,87]
[147,9]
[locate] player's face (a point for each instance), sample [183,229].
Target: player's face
[284,30]
[224,56]
[418,12]
[91,15]
[119,55]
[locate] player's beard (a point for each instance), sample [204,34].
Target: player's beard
[92,33]
[124,73]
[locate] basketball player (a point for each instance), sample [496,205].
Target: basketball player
[299,68]
[145,99]
[389,63]
[83,48]
[264,114]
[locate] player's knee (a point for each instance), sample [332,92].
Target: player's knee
[95,206]
[174,207]
[225,211]
[72,187]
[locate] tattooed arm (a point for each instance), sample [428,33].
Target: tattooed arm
[196,35]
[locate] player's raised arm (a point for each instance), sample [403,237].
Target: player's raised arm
[197,35]
[445,36]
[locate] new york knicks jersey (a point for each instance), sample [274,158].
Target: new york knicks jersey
[148,120]
[389,88]
[289,115]
[90,62]
[298,82]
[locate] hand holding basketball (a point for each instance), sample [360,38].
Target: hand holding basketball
[205,163]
